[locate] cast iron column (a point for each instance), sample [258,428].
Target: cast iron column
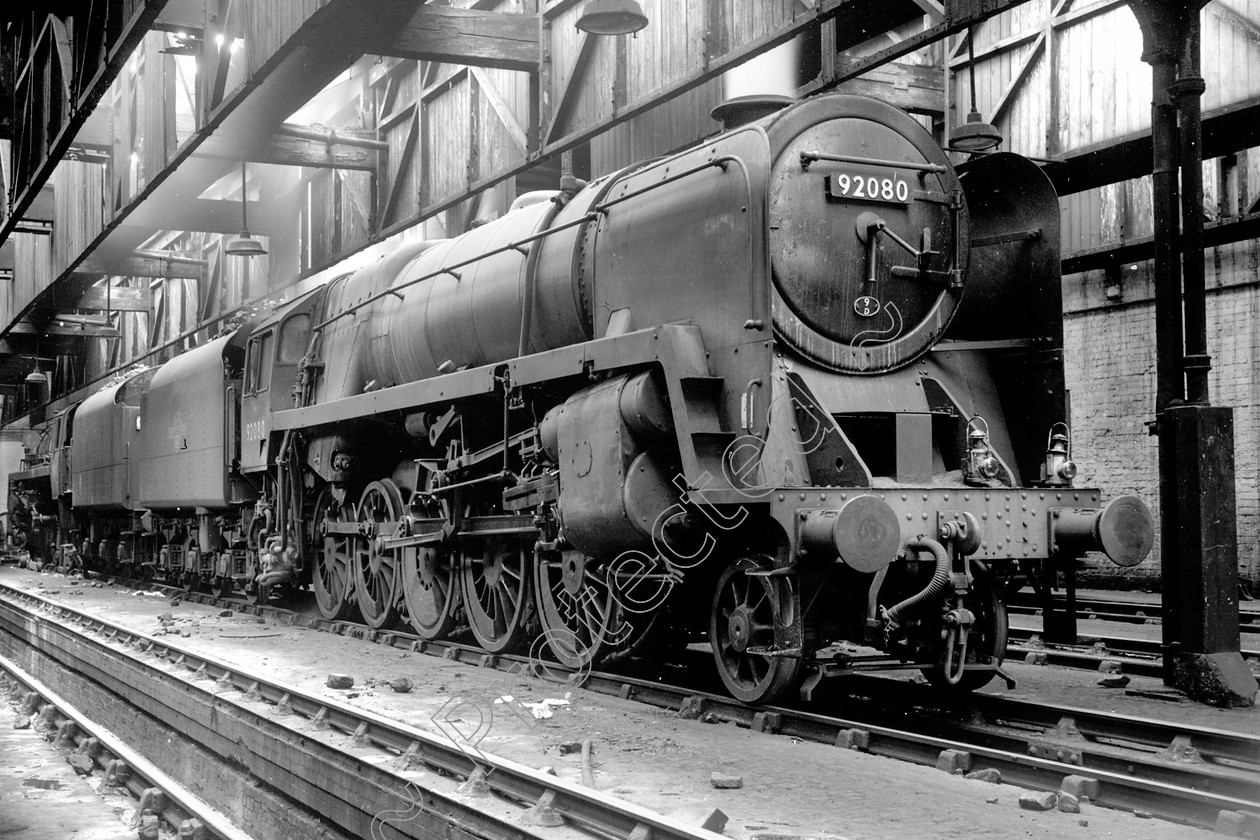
[1188,89]
[1198,539]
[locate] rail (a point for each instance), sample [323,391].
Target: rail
[150,786]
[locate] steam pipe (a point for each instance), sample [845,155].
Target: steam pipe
[531,269]
[935,588]
[282,465]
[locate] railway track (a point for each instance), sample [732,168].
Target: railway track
[1127,612]
[1141,657]
[74,733]
[1181,773]
[289,742]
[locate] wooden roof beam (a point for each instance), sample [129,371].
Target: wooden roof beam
[114,299]
[292,151]
[1215,234]
[292,145]
[1225,130]
[64,331]
[403,29]
[572,87]
[142,267]
[932,8]
[914,88]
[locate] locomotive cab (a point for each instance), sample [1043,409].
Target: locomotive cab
[273,359]
[41,485]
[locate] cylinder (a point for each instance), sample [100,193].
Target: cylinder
[645,408]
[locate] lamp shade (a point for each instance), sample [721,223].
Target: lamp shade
[36,379]
[975,135]
[612,17]
[245,246]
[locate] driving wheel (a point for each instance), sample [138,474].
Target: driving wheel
[377,571]
[333,578]
[580,617]
[494,580]
[430,586]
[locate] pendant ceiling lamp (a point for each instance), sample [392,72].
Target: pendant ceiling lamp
[975,135]
[244,245]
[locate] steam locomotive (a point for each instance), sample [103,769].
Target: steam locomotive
[798,388]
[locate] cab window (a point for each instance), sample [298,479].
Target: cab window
[293,339]
[258,369]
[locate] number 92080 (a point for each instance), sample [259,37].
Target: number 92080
[868,187]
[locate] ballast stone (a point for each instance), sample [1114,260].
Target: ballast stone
[1038,800]
[989,774]
[1069,804]
[80,763]
[149,827]
[726,781]
[340,681]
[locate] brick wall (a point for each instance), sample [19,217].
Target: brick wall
[1110,367]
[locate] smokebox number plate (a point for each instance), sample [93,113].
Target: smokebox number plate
[863,187]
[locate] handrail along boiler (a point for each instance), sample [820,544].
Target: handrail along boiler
[798,388]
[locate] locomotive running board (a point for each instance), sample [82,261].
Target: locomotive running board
[681,345]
